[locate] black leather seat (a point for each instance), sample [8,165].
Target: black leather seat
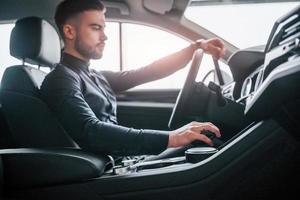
[31,123]
[46,161]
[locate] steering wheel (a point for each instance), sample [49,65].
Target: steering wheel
[183,96]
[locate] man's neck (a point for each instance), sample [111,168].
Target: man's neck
[70,60]
[76,54]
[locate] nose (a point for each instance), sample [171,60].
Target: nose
[103,36]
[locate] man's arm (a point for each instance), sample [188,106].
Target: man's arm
[61,91]
[163,67]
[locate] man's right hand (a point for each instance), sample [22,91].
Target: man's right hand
[213,46]
[191,132]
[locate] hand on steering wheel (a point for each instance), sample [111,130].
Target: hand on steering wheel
[213,46]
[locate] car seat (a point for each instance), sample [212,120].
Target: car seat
[31,123]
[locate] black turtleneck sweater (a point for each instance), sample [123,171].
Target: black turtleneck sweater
[84,102]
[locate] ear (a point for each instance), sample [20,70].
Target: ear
[69,32]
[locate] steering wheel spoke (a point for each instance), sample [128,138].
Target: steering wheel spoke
[184,94]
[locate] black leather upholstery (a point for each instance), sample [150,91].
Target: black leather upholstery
[25,168]
[5,136]
[30,121]
[35,41]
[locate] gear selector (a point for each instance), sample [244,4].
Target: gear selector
[216,141]
[198,154]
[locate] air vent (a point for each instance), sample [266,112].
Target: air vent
[284,41]
[259,79]
[285,29]
[291,31]
[227,91]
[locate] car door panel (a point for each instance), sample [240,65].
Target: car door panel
[146,109]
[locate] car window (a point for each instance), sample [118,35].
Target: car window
[139,46]
[131,46]
[143,44]
[236,22]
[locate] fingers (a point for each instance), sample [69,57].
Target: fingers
[215,47]
[191,132]
[206,126]
[198,127]
[215,51]
[203,138]
[218,42]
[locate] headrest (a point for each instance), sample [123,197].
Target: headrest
[36,41]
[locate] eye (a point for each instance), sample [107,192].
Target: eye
[97,27]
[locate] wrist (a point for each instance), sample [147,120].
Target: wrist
[193,46]
[200,43]
[197,44]
[172,140]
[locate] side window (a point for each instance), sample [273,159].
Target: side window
[6,59]
[131,46]
[142,45]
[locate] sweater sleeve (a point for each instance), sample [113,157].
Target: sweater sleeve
[161,68]
[61,91]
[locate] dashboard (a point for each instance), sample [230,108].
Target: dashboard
[251,84]
[247,68]
[267,77]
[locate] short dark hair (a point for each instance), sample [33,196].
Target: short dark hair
[70,8]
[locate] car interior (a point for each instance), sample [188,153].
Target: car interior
[257,111]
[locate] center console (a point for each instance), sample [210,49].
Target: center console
[278,85]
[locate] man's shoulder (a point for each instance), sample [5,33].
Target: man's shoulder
[62,70]
[60,75]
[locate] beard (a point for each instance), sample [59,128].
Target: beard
[87,51]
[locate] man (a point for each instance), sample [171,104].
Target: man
[84,99]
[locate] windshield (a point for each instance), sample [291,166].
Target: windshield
[242,25]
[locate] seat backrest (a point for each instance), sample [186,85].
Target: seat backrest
[5,136]
[31,122]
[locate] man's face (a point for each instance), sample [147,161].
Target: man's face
[90,37]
